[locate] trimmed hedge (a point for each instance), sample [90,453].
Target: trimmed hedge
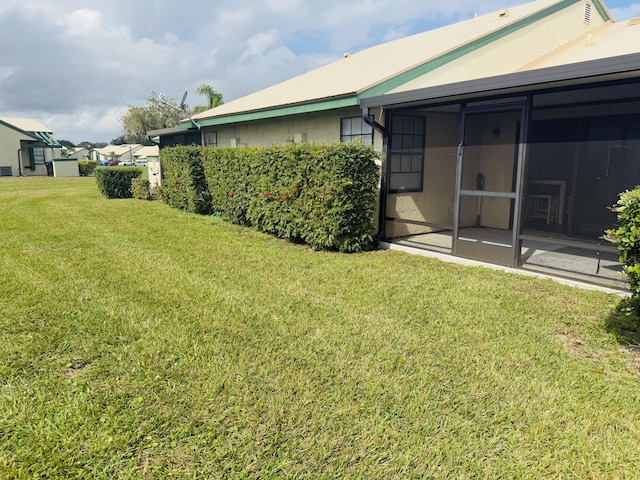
[115,182]
[140,188]
[322,195]
[86,167]
[184,185]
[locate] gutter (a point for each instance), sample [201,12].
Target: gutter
[370,120]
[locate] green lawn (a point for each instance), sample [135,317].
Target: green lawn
[137,341]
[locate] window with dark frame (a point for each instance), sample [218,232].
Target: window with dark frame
[36,157]
[355,129]
[210,139]
[406,159]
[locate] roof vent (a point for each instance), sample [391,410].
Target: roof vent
[587,13]
[346,55]
[503,13]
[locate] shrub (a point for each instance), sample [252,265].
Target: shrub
[115,182]
[185,185]
[140,188]
[323,195]
[86,167]
[627,237]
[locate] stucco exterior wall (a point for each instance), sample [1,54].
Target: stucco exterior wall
[516,51]
[319,127]
[9,145]
[435,203]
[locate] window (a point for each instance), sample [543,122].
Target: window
[355,129]
[210,139]
[406,159]
[36,157]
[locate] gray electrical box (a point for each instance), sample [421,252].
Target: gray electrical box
[6,171]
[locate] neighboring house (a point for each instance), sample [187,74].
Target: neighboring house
[146,154]
[507,137]
[79,153]
[123,152]
[26,147]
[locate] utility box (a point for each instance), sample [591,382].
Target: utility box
[65,167]
[155,173]
[6,171]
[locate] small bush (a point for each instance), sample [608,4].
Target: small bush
[86,167]
[185,185]
[140,188]
[627,237]
[115,182]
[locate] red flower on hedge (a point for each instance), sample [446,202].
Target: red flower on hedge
[284,197]
[228,207]
[308,157]
[175,180]
[240,218]
[266,194]
[232,193]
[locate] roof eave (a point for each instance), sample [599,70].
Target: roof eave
[576,73]
[350,100]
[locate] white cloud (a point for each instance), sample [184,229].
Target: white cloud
[75,64]
[259,44]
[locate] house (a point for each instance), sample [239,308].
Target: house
[507,136]
[26,148]
[124,152]
[79,153]
[147,153]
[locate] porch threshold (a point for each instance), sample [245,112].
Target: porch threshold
[519,271]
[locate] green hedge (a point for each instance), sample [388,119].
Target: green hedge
[184,185]
[115,182]
[140,188]
[322,195]
[627,236]
[86,167]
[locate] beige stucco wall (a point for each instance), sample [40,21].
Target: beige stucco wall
[435,203]
[515,51]
[318,127]
[9,145]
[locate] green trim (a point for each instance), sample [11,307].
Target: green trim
[601,10]
[394,82]
[350,101]
[461,51]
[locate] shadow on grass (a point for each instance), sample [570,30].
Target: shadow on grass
[624,322]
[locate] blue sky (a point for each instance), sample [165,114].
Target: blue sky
[74,65]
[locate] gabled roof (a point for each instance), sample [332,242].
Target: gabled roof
[118,150]
[381,68]
[30,128]
[147,151]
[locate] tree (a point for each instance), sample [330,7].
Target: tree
[119,140]
[158,113]
[214,98]
[66,143]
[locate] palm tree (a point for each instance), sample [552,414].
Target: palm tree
[214,98]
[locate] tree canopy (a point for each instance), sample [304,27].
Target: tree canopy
[214,99]
[157,114]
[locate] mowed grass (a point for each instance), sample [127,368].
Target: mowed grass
[139,342]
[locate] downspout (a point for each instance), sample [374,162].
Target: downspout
[370,120]
[19,162]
